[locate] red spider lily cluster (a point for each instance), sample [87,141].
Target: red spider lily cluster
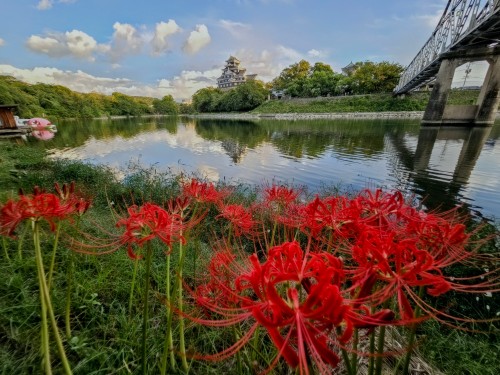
[41,206]
[320,270]
[363,254]
[148,222]
[296,296]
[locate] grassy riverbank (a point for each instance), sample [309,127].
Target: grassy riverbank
[362,103]
[106,336]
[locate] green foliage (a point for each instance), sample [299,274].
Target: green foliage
[206,99]
[457,352]
[293,73]
[244,97]
[166,106]
[368,77]
[303,80]
[357,103]
[306,81]
[56,101]
[186,109]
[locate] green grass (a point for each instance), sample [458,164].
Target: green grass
[362,103]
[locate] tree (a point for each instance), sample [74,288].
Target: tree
[320,67]
[206,99]
[368,77]
[247,96]
[293,73]
[303,80]
[166,106]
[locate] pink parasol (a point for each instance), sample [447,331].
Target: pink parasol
[38,121]
[43,135]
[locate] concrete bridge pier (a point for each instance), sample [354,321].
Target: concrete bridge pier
[483,113]
[489,97]
[434,112]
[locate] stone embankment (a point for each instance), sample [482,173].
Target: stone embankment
[314,116]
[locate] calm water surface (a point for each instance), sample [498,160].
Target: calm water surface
[446,166]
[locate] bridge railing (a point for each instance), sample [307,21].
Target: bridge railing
[459,19]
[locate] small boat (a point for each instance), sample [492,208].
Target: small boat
[36,123]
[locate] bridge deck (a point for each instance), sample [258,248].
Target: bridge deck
[485,34]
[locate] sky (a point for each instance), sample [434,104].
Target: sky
[175,47]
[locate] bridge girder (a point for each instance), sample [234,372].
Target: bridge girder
[466,25]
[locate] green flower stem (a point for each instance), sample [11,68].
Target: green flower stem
[45,292]
[354,362]
[169,342]
[182,343]
[4,244]
[272,235]
[53,259]
[412,335]
[146,308]
[132,288]
[20,243]
[256,349]
[67,313]
[238,354]
[347,362]
[371,360]
[44,334]
[345,356]
[380,351]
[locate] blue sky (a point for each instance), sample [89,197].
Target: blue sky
[159,47]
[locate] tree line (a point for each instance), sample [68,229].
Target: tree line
[58,101]
[301,80]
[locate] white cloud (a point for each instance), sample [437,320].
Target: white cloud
[126,41]
[180,87]
[268,63]
[197,39]
[77,81]
[237,29]
[289,53]
[314,53]
[188,82]
[45,4]
[73,43]
[163,31]
[2,42]
[431,20]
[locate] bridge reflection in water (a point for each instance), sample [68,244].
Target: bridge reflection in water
[442,193]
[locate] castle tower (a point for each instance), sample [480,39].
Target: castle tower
[233,75]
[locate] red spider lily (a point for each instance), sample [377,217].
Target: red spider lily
[280,195]
[336,214]
[397,265]
[218,287]
[240,219]
[380,208]
[295,296]
[203,192]
[40,206]
[148,222]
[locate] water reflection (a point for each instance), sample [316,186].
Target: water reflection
[446,166]
[443,163]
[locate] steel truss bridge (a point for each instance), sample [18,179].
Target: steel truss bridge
[465,25]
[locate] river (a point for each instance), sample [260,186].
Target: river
[444,167]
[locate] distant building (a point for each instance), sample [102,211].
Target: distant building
[233,75]
[349,69]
